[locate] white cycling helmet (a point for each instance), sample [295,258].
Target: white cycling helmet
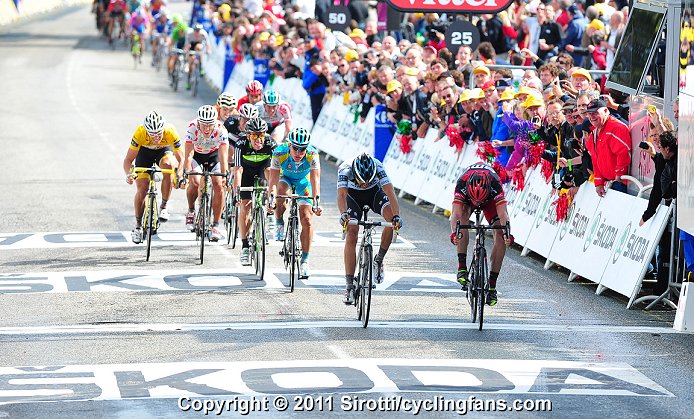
[227,101]
[154,123]
[207,114]
[248,111]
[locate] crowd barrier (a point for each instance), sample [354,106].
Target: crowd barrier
[12,10]
[600,240]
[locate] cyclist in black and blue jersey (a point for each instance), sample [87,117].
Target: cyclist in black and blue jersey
[364,182]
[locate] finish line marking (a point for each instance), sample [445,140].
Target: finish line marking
[114,328]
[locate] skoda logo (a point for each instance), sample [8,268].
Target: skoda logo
[621,243]
[541,215]
[593,230]
[521,198]
[566,224]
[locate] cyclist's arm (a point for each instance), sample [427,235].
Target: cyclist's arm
[224,157]
[287,126]
[315,184]
[390,193]
[188,162]
[273,179]
[502,212]
[238,167]
[342,200]
[129,159]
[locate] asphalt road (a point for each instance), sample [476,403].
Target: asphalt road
[89,329]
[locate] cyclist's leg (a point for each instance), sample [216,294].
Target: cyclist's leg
[498,251]
[461,212]
[142,183]
[283,188]
[218,199]
[303,187]
[354,208]
[247,179]
[380,204]
[167,180]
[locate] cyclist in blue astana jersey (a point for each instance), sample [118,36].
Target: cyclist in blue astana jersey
[296,163]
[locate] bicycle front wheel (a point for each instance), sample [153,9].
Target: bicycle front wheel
[365,285]
[260,244]
[202,225]
[290,248]
[150,220]
[472,290]
[482,278]
[196,79]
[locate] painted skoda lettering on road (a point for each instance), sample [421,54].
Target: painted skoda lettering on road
[230,379]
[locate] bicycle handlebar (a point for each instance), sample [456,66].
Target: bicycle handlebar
[458,227]
[370,224]
[294,196]
[205,174]
[152,170]
[252,188]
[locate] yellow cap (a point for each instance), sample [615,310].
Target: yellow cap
[507,95]
[581,72]
[533,101]
[477,93]
[464,96]
[357,33]
[264,36]
[392,86]
[482,69]
[524,90]
[596,24]
[411,71]
[224,8]
[351,55]
[279,40]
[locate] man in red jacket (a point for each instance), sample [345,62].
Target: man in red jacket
[609,145]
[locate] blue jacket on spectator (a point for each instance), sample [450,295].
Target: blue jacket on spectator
[312,82]
[500,132]
[574,32]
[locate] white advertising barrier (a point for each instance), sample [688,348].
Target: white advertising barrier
[568,249]
[393,164]
[214,63]
[526,206]
[442,169]
[362,138]
[345,132]
[545,226]
[467,157]
[240,76]
[329,128]
[633,248]
[426,154]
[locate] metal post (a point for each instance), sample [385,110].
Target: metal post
[672,58]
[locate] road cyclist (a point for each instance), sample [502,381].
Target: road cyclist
[275,112]
[296,166]
[364,182]
[254,93]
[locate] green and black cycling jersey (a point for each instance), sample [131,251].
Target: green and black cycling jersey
[248,157]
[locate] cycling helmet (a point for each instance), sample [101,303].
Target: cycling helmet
[177,18]
[207,114]
[478,186]
[364,168]
[254,88]
[248,111]
[271,98]
[197,27]
[299,137]
[226,100]
[154,123]
[255,126]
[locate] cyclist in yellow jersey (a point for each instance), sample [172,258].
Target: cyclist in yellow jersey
[153,142]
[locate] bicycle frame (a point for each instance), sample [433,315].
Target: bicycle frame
[151,211]
[291,248]
[203,223]
[256,232]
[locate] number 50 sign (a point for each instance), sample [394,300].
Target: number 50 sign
[462,33]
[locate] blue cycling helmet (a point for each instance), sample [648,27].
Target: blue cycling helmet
[299,137]
[271,97]
[364,168]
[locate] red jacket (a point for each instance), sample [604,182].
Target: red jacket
[610,150]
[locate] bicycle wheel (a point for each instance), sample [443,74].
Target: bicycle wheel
[227,214]
[202,226]
[365,285]
[260,244]
[472,290]
[196,79]
[297,249]
[482,276]
[150,220]
[291,254]
[175,76]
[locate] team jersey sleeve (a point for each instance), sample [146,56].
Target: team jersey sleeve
[381,175]
[343,173]
[136,140]
[191,133]
[275,162]
[285,111]
[313,158]
[238,154]
[174,138]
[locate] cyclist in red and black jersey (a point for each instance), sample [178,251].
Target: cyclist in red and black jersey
[480,187]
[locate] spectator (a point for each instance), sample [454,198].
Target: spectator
[500,137]
[490,27]
[550,33]
[574,34]
[549,75]
[612,42]
[609,145]
[560,133]
[314,82]
[481,74]
[371,31]
[665,190]
[358,36]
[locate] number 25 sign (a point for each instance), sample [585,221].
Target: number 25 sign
[457,6]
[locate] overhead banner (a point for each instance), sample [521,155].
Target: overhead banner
[454,6]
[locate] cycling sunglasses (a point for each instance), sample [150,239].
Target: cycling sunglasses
[256,136]
[299,149]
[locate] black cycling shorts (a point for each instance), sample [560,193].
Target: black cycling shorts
[248,179]
[209,161]
[374,198]
[146,157]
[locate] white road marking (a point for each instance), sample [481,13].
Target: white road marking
[328,324]
[447,378]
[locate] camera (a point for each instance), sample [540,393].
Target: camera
[643,145]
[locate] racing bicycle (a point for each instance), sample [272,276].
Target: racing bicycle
[364,277]
[150,218]
[291,248]
[203,217]
[478,281]
[179,68]
[256,233]
[231,215]
[195,72]
[158,49]
[136,49]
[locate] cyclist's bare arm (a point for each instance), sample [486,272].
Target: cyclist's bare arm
[456,215]
[287,126]
[390,193]
[188,162]
[224,157]
[273,179]
[238,172]
[129,159]
[342,200]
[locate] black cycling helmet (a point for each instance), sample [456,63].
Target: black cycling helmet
[255,126]
[478,187]
[364,168]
